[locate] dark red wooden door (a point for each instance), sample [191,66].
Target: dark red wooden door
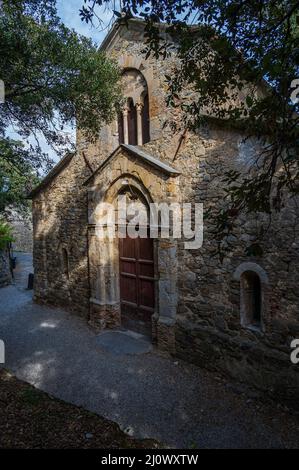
[137,283]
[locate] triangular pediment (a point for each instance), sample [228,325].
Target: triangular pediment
[138,154]
[133,28]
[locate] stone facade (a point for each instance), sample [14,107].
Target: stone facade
[60,223]
[199,300]
[156,184]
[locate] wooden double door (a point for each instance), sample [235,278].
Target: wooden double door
[137,283]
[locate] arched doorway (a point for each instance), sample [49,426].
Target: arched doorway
[137,267]
[126,171]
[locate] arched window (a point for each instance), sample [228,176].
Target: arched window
[251,300]
[134,122]
[65,262]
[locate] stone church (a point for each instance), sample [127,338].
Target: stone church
[238,316]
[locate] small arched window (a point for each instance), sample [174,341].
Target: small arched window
[251,300]
[65,262]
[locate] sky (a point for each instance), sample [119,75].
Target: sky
[68,10]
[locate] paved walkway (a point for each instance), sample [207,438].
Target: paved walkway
[148,395]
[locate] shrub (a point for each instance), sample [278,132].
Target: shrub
[6,235]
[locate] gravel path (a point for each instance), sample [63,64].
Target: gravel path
[148,395]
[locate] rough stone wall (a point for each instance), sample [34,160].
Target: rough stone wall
[127,51]
[60,223]
[22,231]
[208,328]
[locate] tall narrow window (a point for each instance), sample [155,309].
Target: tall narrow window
[121,135]
[132,123]
[65,262]
[145,120]
[251,298]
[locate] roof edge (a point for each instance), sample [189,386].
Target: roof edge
[121,22]
[52,174]
[137,152]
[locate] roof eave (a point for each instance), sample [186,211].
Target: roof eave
[51,175]
[137,152]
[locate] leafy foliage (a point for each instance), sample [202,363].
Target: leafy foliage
[53,78]
[6,235]
[241,57]
[17,176]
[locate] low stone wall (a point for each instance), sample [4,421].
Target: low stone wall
[5,274]
[267,369]
[22,232]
